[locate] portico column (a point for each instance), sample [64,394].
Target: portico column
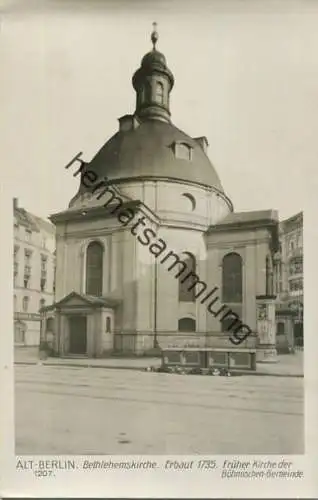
[266,329]
[43,328]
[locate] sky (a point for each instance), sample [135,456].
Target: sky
[246,77]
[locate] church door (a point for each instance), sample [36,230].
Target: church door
[78,335]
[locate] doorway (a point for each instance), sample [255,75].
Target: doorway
[298,335]
[78,335]
[19,332]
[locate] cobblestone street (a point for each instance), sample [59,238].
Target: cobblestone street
[64,410]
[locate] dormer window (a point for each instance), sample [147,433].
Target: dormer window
[183,151]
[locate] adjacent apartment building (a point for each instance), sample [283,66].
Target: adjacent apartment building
[289,281]
[33,273]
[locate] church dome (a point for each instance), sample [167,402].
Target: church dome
[154,150]
[148,146]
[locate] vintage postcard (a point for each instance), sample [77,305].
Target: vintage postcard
[158,197]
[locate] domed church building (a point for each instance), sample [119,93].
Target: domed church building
[150,252]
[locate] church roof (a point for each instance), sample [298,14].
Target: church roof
[237,221]
[257,216]
[148,151]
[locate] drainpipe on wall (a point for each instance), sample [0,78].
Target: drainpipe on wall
[155,339]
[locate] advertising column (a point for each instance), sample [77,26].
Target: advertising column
[266,329]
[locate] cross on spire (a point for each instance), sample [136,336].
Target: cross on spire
[154,35]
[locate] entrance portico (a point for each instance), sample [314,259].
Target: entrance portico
[83,325]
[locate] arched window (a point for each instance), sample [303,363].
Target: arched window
[232,278]
[94,269]
[108,324]
[186,325]
[191,199]
[147,92]
[159,93]
[186,288]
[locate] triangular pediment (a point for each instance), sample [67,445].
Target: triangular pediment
[75,299]
[78,300]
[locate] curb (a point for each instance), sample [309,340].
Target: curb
[142,369]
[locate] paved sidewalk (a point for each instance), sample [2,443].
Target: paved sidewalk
[288,365]
[291,365]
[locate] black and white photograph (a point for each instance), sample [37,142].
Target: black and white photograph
[158,157]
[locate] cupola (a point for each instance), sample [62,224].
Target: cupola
[153,82]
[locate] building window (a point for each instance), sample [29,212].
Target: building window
[186,290]
[28,235]
[43,262]
[27,271]
[232,281]
[183,151]
[94,269]
[191,199]
[295,285]
[15,263]
[15,303]
[108,324]
[296,266]
[27,265]
[25,304]
[54,278]
[280,328]
[186,325]
[27,255]
[43,272]
[42,303]
[26,282]
[159,93]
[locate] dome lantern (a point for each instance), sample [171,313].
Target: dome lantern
[153,82]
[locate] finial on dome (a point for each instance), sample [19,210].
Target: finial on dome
[154,35]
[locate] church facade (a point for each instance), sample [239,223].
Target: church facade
[151,210]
